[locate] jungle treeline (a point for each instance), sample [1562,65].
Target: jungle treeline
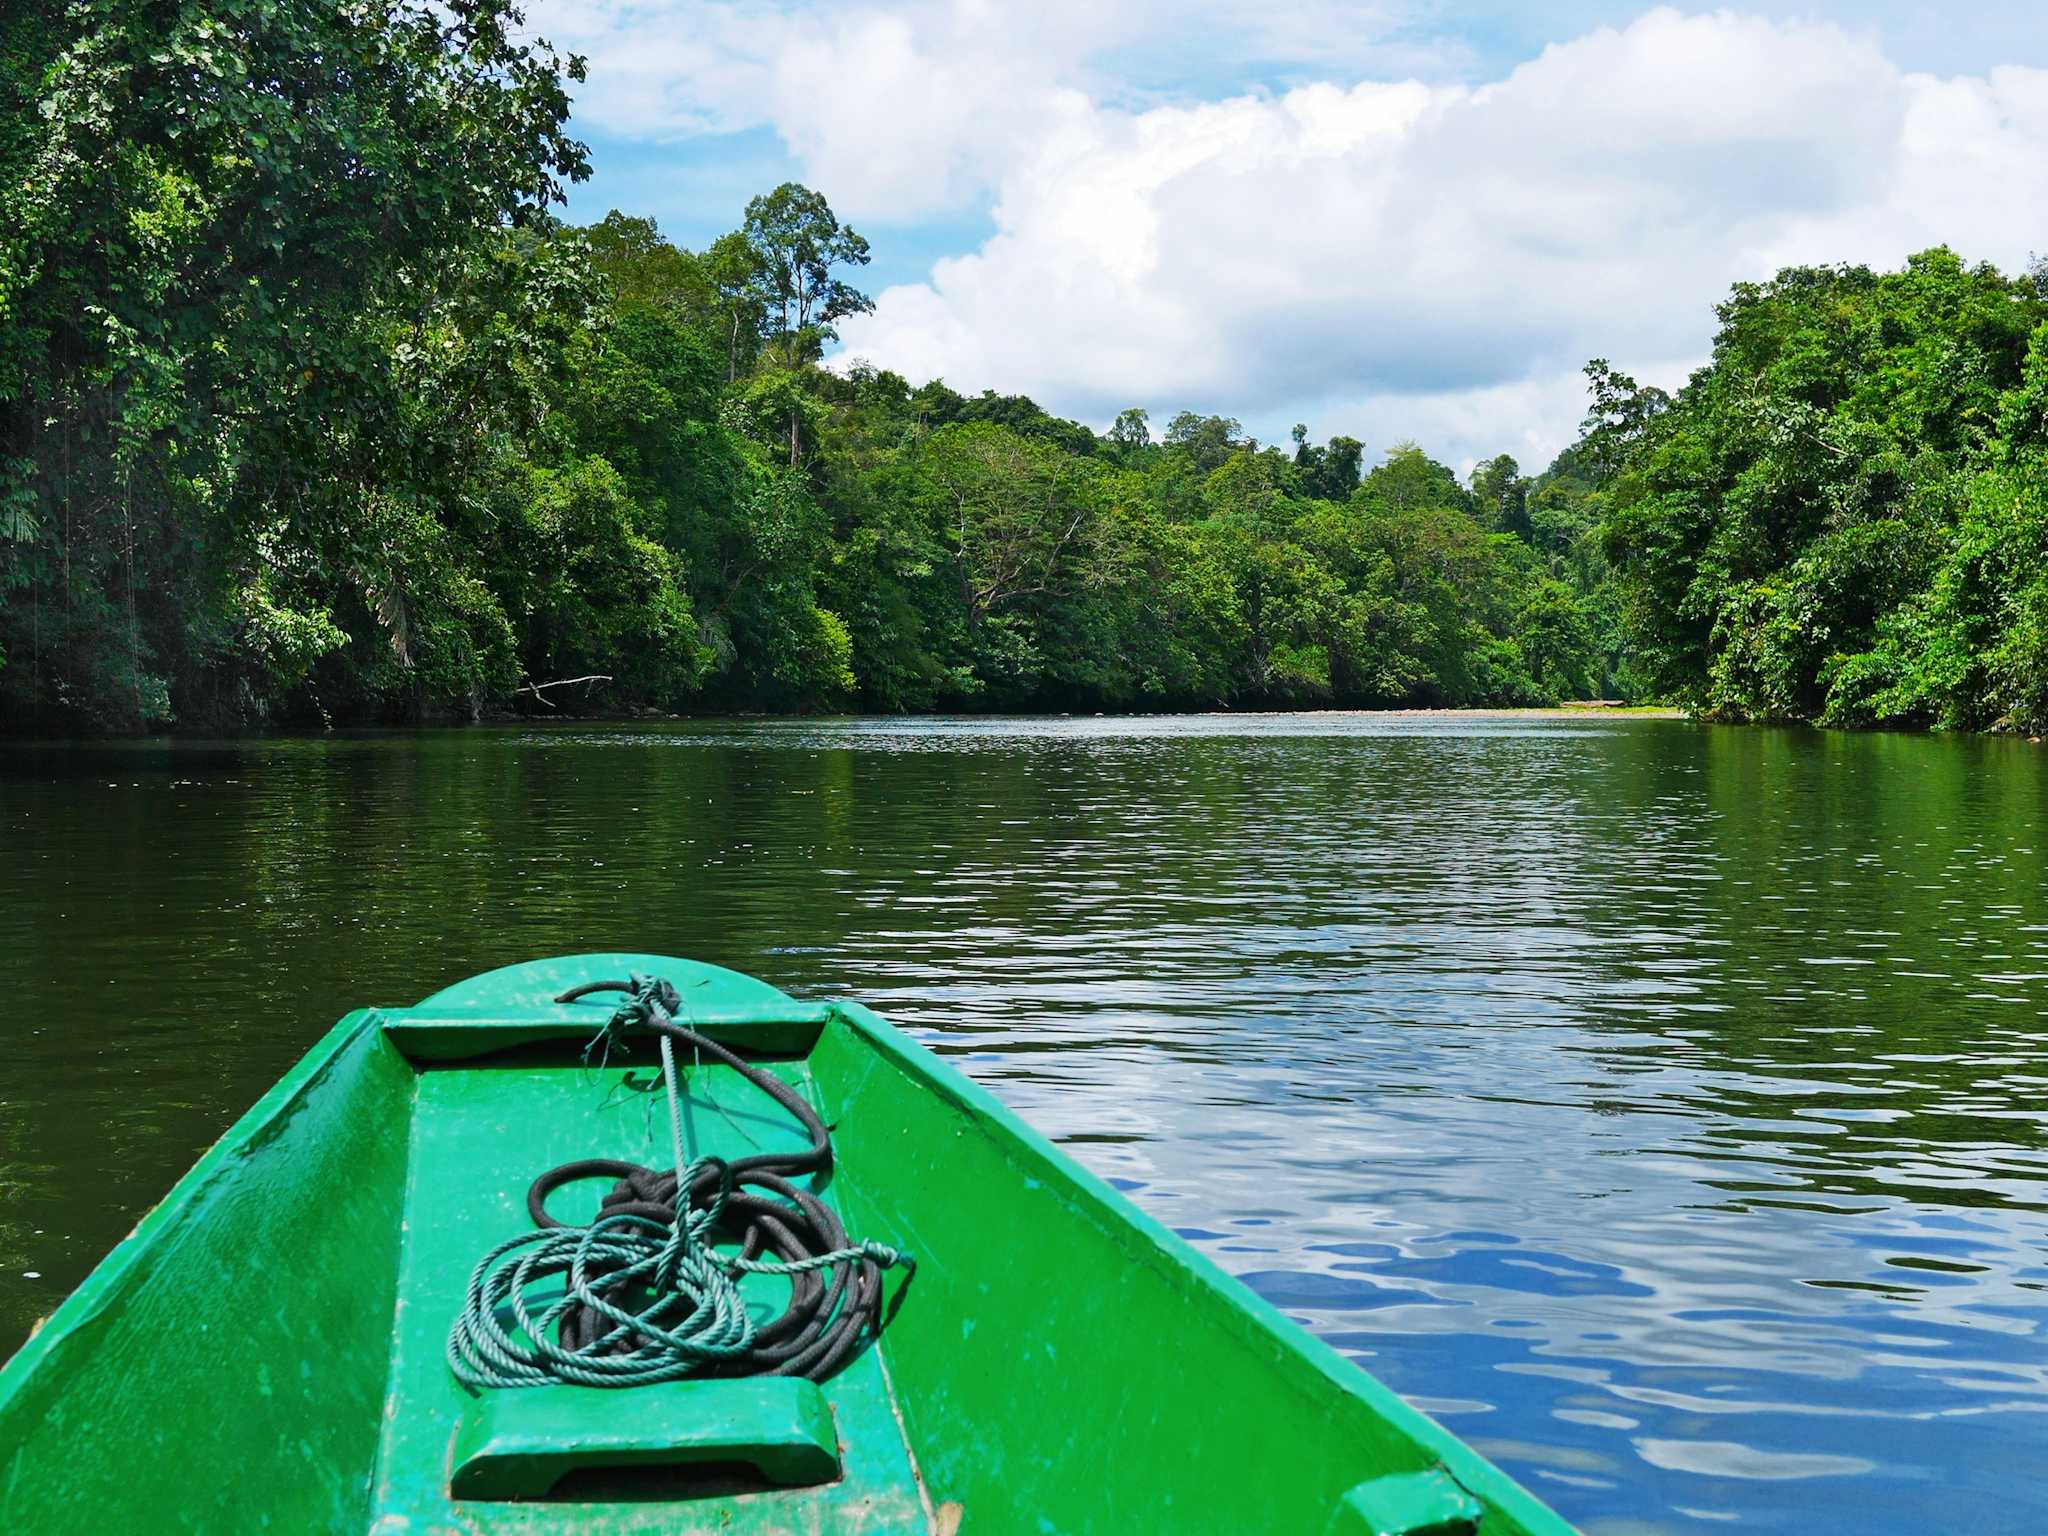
[312,411]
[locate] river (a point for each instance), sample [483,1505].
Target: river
[1662,1106]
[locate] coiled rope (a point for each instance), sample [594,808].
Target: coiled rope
[649,1293]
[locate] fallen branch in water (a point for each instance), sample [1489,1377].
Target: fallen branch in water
[538,690]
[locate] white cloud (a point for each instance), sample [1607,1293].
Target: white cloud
[901,108]
[1424,255]
[1387,258]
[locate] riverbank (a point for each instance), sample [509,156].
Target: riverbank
[1570,711]
[1600,708]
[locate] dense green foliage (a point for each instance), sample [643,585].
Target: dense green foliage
[1844,517]
[310,411]
[265,320]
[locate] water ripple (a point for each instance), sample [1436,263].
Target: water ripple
[1660,1105]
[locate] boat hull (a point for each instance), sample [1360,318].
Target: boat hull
[265,1351]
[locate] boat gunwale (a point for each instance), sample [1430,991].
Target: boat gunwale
[104,1283]
[1250,1316]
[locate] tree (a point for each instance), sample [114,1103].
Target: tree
[1839,517]
[740,284]
[1015,513]
[1410,479]
[1331,472]
[642,267]
[1131,433]
[1620,416]
[798,241]
[1343,463]
[225,239]
[1502,496]
[1207,441]
[1556,642]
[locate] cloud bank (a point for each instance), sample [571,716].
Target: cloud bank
[1387,257]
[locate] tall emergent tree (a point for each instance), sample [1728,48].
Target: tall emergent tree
[797,241]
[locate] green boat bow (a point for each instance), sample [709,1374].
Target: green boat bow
[268,1349]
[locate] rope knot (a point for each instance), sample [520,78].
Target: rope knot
[655,1001]
[887,1257]
[652,1003]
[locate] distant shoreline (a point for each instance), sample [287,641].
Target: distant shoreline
[1589,710]
[1597,707]
[500,720]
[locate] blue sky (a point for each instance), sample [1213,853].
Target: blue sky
[1399,220]
[696,188]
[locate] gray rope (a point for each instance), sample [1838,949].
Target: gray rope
[647,1296]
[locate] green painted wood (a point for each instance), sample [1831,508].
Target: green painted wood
[430,1037]
[518,1445]
[266,1350]
[1184,1402]
[223,1368]
[481,1130]
[1408,1504]
[515,1006]
[710,993]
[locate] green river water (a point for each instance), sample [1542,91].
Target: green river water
[1663,1106]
